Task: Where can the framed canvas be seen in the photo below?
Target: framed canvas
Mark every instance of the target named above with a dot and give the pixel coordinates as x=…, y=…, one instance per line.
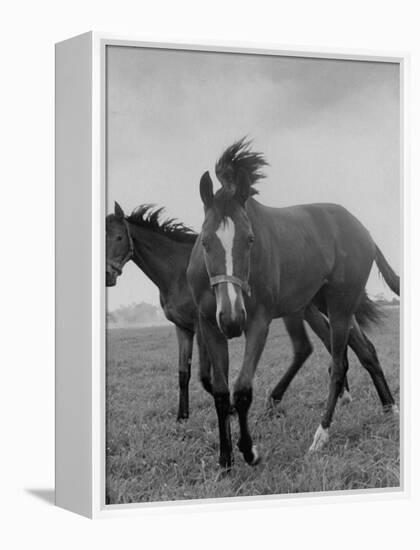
x=163, y=316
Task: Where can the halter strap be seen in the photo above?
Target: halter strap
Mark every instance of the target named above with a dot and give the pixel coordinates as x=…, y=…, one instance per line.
x=119, y=265
x=217, y=279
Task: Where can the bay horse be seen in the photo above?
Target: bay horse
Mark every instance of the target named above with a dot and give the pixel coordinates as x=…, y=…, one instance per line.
x=253, y=263
x=161, y=250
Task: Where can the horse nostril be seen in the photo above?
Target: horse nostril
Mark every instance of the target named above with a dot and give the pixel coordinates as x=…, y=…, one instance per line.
x=224, y=323
x=238, y=321
x=232, y=328
x=221, y=325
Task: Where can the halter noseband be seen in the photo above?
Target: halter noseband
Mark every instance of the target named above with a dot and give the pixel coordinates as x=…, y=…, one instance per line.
x=244, y=285
x=117, y=266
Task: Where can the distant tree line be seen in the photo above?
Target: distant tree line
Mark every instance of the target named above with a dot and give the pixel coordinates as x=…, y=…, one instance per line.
x=148, y=314
x=136, y=314
x=381, y=300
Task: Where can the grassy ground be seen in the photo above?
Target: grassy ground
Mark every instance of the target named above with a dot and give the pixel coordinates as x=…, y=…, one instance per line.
x=150, y=457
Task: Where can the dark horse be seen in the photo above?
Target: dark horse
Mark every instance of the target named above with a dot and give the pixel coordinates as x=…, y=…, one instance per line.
x=162, y=249
x=253, y=263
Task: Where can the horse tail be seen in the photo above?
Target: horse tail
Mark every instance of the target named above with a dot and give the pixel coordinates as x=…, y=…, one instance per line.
x=391, y=278
x=368, y=312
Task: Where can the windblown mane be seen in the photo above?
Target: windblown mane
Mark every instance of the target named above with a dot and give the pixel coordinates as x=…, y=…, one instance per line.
x=149, y=216
x=240, y=158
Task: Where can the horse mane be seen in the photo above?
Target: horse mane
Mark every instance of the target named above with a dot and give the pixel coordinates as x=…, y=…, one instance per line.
x=236, y=159
x=149, y=216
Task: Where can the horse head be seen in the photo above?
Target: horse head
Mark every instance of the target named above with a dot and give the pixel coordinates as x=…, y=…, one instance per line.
x=227, y=238
x=119, y=244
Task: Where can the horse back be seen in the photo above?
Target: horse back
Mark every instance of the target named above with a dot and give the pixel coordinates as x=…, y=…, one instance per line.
x=301, y=248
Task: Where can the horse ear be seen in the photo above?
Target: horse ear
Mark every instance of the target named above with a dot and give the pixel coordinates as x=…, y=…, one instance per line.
x=206, y=190
x=118, y=211
x=243, y=187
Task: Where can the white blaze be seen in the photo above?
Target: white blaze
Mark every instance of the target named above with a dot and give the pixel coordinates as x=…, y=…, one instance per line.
x=226, y=235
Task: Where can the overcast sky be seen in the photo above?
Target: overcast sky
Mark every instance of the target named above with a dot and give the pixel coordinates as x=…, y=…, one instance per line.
x=329, y=129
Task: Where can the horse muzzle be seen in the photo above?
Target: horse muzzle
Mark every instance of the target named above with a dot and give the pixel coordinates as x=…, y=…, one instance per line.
x=110, y=277
x=230, y=312
x=232, y=328
x=113, y=271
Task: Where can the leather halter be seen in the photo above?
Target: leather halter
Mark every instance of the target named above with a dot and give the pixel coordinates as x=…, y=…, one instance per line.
x=244, y=285
x=118, y=266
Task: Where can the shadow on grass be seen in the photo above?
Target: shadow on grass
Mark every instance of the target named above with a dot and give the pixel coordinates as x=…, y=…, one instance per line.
x=47, y=495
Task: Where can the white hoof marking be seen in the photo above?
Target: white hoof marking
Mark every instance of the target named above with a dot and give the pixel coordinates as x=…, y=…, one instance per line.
x=395, y=410
x=346, y=398
x=320, y=439
x=255, y=454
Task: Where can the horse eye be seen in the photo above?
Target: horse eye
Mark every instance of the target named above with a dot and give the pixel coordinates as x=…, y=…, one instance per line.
x=119, y=238
x=251, y=239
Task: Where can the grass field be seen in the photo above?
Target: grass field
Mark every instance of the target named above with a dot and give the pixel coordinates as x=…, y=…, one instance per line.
x=151, y=457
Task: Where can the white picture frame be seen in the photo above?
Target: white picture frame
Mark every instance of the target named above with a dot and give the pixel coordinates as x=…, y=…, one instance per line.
x=80, y=274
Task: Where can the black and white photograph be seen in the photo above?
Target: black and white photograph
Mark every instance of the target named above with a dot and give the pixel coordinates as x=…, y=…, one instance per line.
x=253, y=262
x=209, y=284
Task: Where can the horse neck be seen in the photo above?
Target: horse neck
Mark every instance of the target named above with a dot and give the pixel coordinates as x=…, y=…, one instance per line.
x=264, y=227
x=161, y=258
x=253, y=209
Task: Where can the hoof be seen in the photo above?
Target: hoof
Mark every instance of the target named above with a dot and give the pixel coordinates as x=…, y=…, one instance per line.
x=182, y=417
x=257, y=456
x=274, y=407
x=275, y=401
x=320, y=439
x=252, y=457
x=392, y=409
x=223, y=473
x=225, y=463
x=395, y=410
x=346, y=398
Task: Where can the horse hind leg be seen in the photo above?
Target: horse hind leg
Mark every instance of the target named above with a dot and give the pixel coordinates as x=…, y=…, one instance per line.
x=340, y=322
x=320, y=325
x=366, y=353
x=185, y=345
x=345, y=395
x=302, y=349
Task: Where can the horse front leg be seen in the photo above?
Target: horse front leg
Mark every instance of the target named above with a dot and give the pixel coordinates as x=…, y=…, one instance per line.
x=217, y=348
x=185, y=346
x=204, y=362
x=256, y=335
